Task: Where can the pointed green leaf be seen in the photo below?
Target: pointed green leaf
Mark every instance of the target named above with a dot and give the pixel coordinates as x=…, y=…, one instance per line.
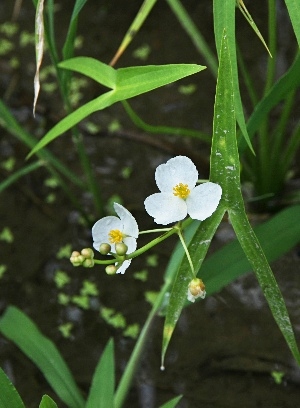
x=94, y=69
x=68, y=47
x=101, y=394
x=224, y=18
x=225, y=151
x=277, y=236
x=142, y=14
x=172, y=403
x=9, y=397
x=265, y=277
x=19, y=328
x=293, y=7
x=134, y=81
x=197, y=248
x=71, y=120
x=250, y=20
x=280, y=90
x=47, y=402
x=130, y=82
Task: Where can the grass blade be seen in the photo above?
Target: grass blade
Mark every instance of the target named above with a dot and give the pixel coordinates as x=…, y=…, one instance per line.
x=224, y=18
x=12, y=178
x=9, y=396
x=277, y=236
x=142, y=14
x=293, y=7
x=130, y=82
x=47, y=402
x=101, y=393
x=15, y=325
x=194, y=34
x=172, y=403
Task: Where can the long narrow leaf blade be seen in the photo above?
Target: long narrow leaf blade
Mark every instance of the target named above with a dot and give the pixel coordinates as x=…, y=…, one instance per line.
x=133, y=81
x=130, y=82
x=47, y=402
x=277, y=236
x=141, y=16
x=172, y=403
x=224, y=18
x=293, y=7
x=197, y=248
x=9, y=397
x=19, y=328
x=225, y=144
x=94, y=69
x=103, y=385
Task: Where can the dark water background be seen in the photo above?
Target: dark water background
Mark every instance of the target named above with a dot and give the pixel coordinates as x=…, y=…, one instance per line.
x=224, y=348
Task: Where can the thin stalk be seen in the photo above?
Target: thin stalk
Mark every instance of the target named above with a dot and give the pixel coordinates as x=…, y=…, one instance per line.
x=291, y=149
x=265, y=172
x=11, y=125
x=194, y=34
x=187, y=253
x=279, y=136
x=132, y=365
x=163, y=129
x=247, y=79
x=20, y=173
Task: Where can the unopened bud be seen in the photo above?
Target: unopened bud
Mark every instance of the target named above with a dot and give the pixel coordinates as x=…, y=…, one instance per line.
x=104, y=249
x=111, y=270
x=76, y=258
x=88, y=263
x=87, y=253
x=196, y=289
x=121, y=248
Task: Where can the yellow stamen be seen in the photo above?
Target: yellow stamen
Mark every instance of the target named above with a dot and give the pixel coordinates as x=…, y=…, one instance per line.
x=115, y=236
x=181, y=190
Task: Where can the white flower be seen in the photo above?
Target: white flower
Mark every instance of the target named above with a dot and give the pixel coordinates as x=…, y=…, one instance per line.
x=114, y=230
x=179, y=194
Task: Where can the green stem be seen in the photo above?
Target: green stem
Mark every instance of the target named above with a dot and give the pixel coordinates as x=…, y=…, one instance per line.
x=152, y=243
x=132, y=364
x=195, y=35
x=187, y=253
x=264, y=173
x=163, y=129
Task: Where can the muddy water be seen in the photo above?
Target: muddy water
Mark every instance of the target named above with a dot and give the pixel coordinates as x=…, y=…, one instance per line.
x=225, y=348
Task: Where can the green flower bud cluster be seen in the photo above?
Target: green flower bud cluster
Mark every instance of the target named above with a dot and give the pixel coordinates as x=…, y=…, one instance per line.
x=84, y=258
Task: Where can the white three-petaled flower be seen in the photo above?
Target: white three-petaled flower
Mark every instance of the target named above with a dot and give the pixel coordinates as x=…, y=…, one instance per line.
x=179, y=194
x=113, y=230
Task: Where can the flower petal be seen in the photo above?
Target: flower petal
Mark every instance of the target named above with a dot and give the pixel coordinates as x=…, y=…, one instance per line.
x=131, y=243
x=203, y=200
x=180, y=169
x=130, y=226
x=102, y=228
x=165, y=208
x=124, y=266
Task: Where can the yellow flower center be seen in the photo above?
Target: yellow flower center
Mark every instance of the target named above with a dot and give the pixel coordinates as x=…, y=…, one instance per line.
x=181, y=190
x=115, y=236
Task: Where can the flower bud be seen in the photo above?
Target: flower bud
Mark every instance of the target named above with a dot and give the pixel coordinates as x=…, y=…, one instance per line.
x=111, y=270
x=196, y=289
x=104, y=249
x=87, y=253
x=121, y=248
x=76, y=259
x=88, y=263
